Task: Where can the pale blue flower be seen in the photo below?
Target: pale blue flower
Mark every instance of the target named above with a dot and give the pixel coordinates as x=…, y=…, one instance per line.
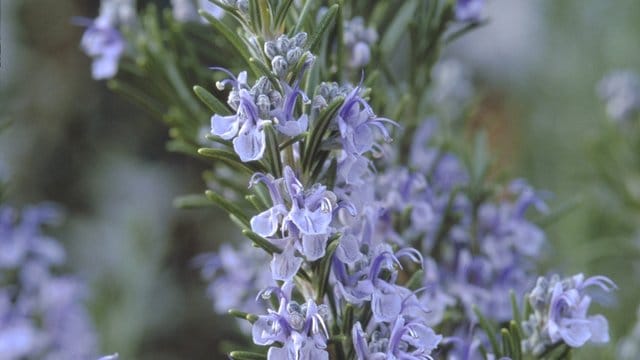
x=245, y=127
x=358, y=125
x=301, y=329
x=404, y=340
x=620, y=90
x=235, y=275
x=286, y=122
x=560, y=313
x=304, y=221
x=358, y=40
x=102, y=42
x=41, y=313
x=469, y=10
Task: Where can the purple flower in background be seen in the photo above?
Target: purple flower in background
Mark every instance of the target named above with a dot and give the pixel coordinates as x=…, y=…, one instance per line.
x=301, y=329
x=235, y=276
x=41, y=314
x=402, y=340
x=560, y=313
x=469, y=10
x=620, y=90
x=358, y=40
x=187, y=10
x=105, y=45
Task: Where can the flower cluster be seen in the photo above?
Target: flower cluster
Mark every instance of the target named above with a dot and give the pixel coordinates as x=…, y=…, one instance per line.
x=41, y=313
x=370, y=252
x=560, y=309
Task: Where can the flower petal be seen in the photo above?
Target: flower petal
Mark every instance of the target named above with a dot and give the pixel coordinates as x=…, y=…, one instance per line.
x=224, y=126
x=313, y=246
x=284, y=266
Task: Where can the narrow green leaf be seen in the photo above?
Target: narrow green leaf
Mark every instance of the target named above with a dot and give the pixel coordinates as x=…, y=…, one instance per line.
x=347, y=320
x=506, y=343
x=326, y=22
x=223, y=6
x=304, y=14
x=261, y=242
x=228, y=206
x=238, y=222
x=281, y=13
x=212, y=102
x=325, y=267
x=488, y=329
x=394, y=32
x=292, y=141
x=266, y=16
x=272, y=150
x=254, y=14
x=266, y=71
x=332, y=173
x=243, y=315
x=193, y=201
x=253, y=199
x=245, y=355
x=466, y=29
x=318, y=131
x=483, y=352
x=515, y=309
x=232, y=160
x=415, y=281
x=516, y=336
x=179, y=146
x=231, y=37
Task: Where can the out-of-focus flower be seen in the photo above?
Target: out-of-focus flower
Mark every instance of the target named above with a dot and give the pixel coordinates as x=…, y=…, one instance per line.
x=187, y=10
x=469, y=10
x=451, y=90
x=105, y=45
x=41, y=313
x=235, y=277
x=102, y=41
x=358, y=40
x=620, y=90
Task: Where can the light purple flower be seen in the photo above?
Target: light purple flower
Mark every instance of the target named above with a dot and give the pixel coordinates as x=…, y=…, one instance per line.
x=245, y=127
x=102, y=42
x=469, y=10
x=301, y=329
x=404, y=340
x=41, y=313
x=304, y=221
x=358, y=125
x=286, y=123
x=235, y=275
x=620, y=90
x=560, y=313
x=358, y=40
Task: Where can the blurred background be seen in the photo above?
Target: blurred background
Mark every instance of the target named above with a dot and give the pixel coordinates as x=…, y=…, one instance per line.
x=535, y=68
